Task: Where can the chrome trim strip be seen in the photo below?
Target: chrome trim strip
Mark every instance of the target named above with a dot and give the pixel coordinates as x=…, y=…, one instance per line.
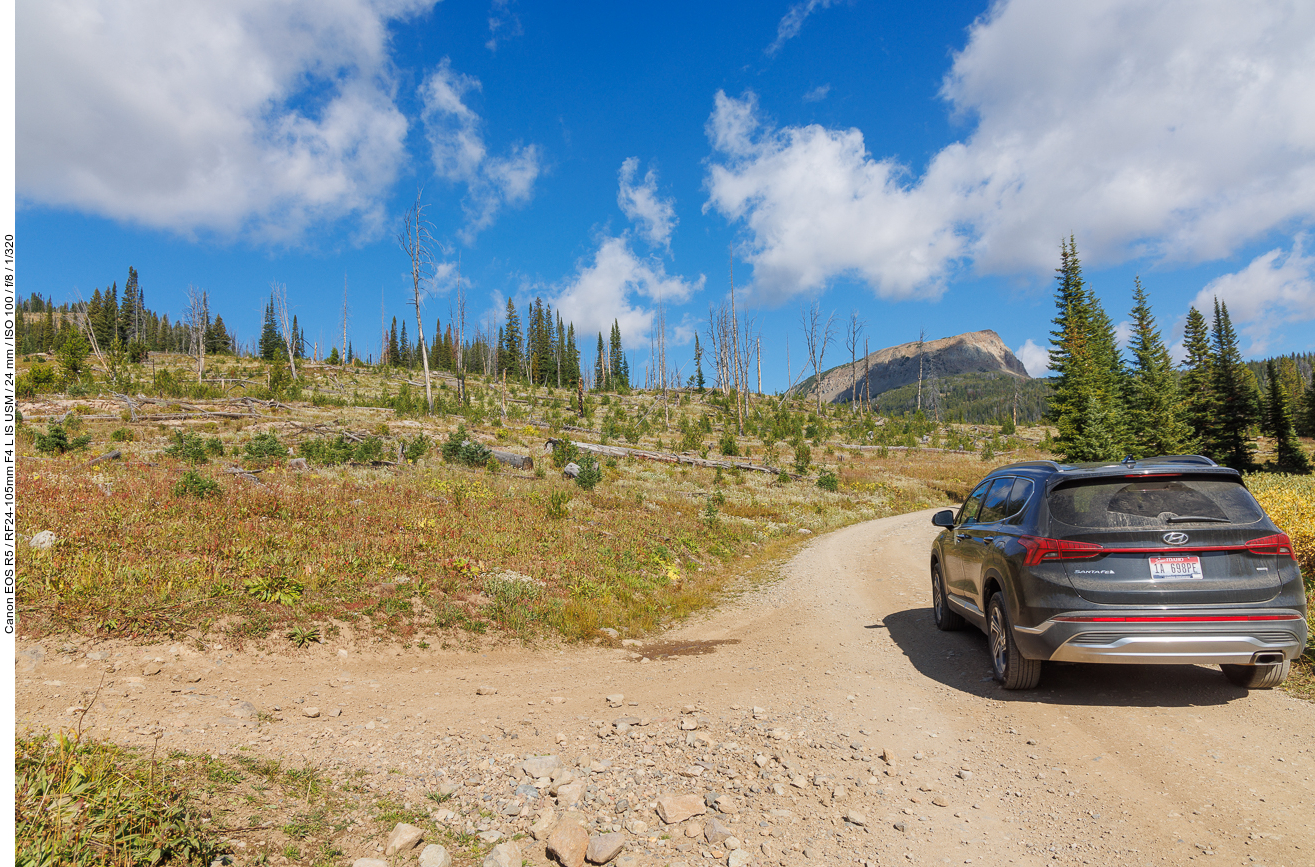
x=1173, y=649
x=965, y=604
x=1035, y=630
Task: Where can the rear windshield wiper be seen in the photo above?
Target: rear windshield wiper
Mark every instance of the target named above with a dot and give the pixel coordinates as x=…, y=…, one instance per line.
x=1192, y=519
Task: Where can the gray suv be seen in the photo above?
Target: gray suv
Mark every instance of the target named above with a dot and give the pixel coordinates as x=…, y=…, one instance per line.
x=1165, y=560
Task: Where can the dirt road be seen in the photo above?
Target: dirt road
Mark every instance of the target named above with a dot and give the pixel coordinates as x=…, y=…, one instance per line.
x=783, y=701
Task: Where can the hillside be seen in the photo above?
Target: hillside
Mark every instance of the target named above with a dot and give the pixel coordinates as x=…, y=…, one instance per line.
x=896, y=366
x=971, y=398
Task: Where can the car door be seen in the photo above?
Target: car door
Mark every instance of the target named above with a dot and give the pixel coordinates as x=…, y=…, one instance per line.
x=980, y=546
x=958, y=547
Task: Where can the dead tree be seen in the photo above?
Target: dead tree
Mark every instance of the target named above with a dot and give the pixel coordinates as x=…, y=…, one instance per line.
x=851, y=341
x=197, y=318
x=417, y=241
x=342, y=359
x=817, y=337
x=279, y=295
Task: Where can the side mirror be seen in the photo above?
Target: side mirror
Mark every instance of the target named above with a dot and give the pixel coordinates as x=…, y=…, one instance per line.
x=943, y=518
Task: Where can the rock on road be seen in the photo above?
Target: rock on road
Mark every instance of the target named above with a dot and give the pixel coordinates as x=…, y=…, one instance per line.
x=820, y=718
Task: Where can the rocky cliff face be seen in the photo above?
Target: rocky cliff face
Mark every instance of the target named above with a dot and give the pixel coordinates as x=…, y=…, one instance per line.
x=974, y=352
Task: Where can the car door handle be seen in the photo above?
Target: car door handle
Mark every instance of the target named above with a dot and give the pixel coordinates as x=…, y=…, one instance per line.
x=986, y=540
x=960, y=536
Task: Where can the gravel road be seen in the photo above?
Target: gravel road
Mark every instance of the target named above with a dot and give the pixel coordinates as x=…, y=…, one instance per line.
x=820, y=718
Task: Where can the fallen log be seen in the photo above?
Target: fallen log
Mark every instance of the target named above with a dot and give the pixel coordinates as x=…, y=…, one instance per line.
x=667, y=458
x=112, y=455
x=511, y=459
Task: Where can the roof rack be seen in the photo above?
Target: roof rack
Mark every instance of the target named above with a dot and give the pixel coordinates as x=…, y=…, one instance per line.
x=1050, y=465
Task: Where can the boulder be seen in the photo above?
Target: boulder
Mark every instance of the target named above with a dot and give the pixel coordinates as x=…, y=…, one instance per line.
x=567, y=844
x=435, y=855
x=604, y=847
x=677, y=808
x=504, y=855
x=403, y=838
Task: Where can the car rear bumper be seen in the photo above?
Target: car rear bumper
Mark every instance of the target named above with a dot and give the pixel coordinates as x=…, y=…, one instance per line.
x=1139, y=639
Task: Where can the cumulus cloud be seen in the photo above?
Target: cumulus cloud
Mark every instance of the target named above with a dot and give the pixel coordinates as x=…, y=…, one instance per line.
x=1175, y=131
x=1035, y=358
x=456, y=140
x=1276, y=289
x=615, y=285
x=817, y=205
x=654, y=216
x=793, y=21
x=238, y=117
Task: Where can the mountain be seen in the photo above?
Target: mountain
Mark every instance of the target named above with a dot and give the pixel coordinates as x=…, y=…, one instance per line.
x=897, y=366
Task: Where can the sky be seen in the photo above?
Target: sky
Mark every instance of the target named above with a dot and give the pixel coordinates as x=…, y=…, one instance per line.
x=916, y=165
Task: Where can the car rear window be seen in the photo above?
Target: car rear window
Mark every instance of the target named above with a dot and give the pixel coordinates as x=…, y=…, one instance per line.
x=1133, y=502
x=1022, y=492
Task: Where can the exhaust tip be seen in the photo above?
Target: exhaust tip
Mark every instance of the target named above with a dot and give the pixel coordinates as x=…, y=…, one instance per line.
x=1267, y=659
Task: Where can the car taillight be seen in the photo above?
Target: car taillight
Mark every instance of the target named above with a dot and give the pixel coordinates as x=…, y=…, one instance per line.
x=1278, y=544
x=1042, y=550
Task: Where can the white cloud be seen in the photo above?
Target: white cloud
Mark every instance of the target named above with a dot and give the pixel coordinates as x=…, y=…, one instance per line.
x=818, y=206
x=1176, y=131
x=654, y=215
x=459, y=153
x=616, y=285
x=1123, y=334
x=817, y=94
x=793, y=21
x=236, y=117
x=503, y=23
x=1275, y=290
x=1035, y=358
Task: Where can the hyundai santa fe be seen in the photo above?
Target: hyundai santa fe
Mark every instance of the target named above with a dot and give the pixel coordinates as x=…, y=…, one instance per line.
x=1166, y=560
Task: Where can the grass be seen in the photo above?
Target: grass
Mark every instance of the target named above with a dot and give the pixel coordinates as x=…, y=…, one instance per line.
x=1290, y=502
x=406, y=550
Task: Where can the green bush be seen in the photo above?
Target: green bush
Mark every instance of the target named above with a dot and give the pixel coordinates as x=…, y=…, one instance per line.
x=827, y=481
x=55, y=441
x=803, y=456
x=727, y=445
x=460, y=449
x=263, y=447
x=341, y=450
x=122, y=435
x=417, y=448
x=193, y=484
x=590, y=473
x=38, y=379
x=563, y=453
x=557, y=502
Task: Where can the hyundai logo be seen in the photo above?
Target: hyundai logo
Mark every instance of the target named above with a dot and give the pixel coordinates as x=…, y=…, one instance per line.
x=1175, y=538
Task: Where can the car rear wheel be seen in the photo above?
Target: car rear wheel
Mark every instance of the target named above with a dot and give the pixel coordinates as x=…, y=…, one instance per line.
x=1257, y=676
x=1011, y=668
x=946, y=620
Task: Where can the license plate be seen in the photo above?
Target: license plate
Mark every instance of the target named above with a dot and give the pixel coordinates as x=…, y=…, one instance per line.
x=1184, y=568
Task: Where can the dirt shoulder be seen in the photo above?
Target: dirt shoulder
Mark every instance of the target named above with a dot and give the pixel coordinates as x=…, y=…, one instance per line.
x=777, y=708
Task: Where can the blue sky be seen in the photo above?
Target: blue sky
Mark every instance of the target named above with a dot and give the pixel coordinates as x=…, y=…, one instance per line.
x=917, y=166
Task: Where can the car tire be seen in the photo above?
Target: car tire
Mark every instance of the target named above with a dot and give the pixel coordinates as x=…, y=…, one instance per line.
x=1010, y=667
x=946, y=619
x=1257, y=676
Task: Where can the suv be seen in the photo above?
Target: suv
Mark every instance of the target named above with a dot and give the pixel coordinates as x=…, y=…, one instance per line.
x=1166, y=560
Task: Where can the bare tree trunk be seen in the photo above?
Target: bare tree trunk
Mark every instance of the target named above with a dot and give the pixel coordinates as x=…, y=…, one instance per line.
x=460, y=316
x=817, y=337
x=197, y=314
x=416, y=240
x=343, y=358
x=851, y=341
x=280, y=293
x=922, y=336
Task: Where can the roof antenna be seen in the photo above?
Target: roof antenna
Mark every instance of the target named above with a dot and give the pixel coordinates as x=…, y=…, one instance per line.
x=1130, y=461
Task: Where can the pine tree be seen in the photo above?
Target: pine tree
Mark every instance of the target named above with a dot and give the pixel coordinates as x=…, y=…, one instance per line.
x=1306, y=419
x=600, y=366
x=106, y=325
x=404, y=348
x=271, y=342
x=130, y=309
x=1155, y=418
x=394, y=350
x=699, y=379
x=619, y=368
x=509, y=352
x=1291, y=456
x=572, y=358
x=1236, y=410
x=1198, y=384
x=1088, y=402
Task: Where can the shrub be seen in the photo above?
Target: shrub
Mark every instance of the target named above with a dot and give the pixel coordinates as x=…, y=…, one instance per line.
x=340, y=450
x=563, y=453
x=264, y=446
x=590, y=473
x=55, y=441
x=38, y=379
x=122, y=435
x=460, y=449
x=417, y=448
x=191, y=448
x=557, y=502
x=193, y=484
x=727, y=445
x=827, y=481
x=803, y=456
